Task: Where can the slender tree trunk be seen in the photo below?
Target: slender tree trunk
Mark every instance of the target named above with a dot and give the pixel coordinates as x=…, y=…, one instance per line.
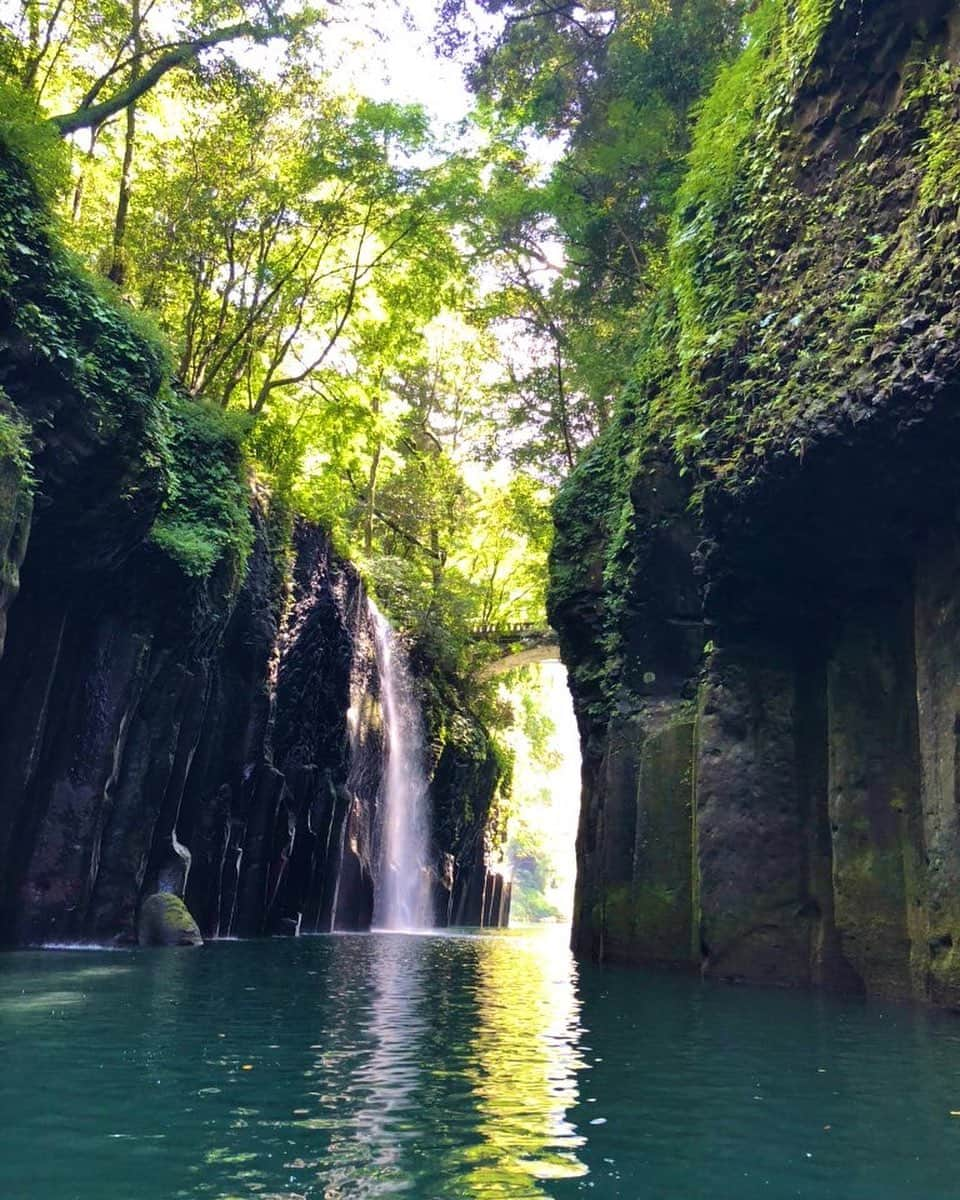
x=77, y=206
x=33, y=41
x=436, y=562
x=562, y=412
x=372, y=483
x=118, y=266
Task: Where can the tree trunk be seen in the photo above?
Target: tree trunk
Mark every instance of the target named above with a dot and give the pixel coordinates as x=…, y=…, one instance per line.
x=118, y=266
x=77, y=206
x=372, y=482
x=437, y=559
x=562, y=412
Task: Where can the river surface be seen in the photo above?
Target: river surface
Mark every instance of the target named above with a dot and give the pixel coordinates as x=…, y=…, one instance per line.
x=445, y=1066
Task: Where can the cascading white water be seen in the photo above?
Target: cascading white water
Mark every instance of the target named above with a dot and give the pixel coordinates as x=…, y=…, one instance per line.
x=404, y=891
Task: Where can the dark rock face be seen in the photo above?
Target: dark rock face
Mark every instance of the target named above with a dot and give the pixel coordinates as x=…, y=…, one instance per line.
x=216, y=743
x=194, y=744
x=219, y=744
x=789, y=813
x=766, y=670
x=465, y=780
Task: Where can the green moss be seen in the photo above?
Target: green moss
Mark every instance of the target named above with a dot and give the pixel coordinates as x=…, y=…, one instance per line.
x=75, y=327
x=166, y=921
x=75, y=368
x=205, y=517
x=785, y=273
x=618, y=916
x=645, y=923
x=739, y=205
x=810, y=271
x=14, y=449
x=16, y=506
x=27, y=134
x=104, y=370
x=661, y=922
x=590, y=514
x=935, y=93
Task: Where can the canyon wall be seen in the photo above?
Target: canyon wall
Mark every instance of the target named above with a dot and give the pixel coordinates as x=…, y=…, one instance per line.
x=756, y=572
x=467, y=775
x=188, y=740
x=188, y=683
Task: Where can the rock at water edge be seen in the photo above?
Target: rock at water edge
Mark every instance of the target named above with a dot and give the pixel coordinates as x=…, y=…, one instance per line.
x=166, y=921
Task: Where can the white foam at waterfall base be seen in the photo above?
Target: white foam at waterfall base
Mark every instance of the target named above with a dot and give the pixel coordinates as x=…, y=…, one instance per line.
x=403, y=899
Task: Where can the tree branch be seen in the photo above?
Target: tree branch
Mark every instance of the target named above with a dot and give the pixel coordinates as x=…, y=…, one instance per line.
x=91, y=115
x=391, y=524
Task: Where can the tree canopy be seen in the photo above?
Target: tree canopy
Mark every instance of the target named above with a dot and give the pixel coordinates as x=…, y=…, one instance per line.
x=419, y=336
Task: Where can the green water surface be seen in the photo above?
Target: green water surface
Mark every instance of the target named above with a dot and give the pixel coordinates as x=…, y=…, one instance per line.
x=456, y=1066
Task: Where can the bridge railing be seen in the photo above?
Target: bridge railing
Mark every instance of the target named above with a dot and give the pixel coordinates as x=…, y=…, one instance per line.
x=511, y=629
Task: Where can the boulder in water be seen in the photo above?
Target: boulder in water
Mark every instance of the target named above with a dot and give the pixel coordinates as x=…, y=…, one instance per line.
x=166, y=921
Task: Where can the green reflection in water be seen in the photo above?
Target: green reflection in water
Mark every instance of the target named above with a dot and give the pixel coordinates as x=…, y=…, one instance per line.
x=445, y=1067
x=436, y=1066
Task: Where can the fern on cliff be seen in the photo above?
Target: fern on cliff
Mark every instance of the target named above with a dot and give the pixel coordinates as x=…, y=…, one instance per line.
x=807, y=282
x=205, y=518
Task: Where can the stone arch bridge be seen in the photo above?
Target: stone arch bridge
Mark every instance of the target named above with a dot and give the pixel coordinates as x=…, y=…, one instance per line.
x=522, y=643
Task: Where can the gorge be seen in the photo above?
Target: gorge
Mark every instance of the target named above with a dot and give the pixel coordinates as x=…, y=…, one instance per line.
x=314, y=429
x=752, y=583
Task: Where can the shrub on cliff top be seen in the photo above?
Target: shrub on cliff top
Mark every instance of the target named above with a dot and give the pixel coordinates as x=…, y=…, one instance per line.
x=205, y=516
x=102, y=370
x=27, y=133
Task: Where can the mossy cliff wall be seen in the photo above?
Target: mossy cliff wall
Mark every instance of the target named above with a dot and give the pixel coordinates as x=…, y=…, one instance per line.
x=188, y=690
x=468, y=777
x=757, y=566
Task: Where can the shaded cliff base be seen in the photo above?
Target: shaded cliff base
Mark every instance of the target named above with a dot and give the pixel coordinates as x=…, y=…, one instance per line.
x=798, y=821
x=221, y=745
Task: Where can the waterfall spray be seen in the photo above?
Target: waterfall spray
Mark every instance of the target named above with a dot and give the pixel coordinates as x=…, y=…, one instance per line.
x=404, y=891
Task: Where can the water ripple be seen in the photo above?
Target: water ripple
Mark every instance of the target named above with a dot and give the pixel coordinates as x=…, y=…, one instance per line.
x=449, y=1067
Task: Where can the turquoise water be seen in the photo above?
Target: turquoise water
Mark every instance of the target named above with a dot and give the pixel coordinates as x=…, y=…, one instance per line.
x=445, y=1066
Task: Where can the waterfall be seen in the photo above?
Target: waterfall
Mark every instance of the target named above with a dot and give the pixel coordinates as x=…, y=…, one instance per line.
x=404, y=892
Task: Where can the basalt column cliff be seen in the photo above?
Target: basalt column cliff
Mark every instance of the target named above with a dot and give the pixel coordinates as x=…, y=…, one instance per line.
x=757, y=573
x=189, y=700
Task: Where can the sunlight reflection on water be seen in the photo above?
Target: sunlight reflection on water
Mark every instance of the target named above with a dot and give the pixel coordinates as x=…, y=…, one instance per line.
x=456, y=1067
x=436, y=1064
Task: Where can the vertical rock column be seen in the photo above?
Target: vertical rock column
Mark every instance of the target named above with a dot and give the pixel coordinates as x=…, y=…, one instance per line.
x=662, y=869
x=875, y=797
x=757, y=915
x=937, y=631
x=587, y=937
x=637, y=892
x=608, y=912
x=60, y=796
